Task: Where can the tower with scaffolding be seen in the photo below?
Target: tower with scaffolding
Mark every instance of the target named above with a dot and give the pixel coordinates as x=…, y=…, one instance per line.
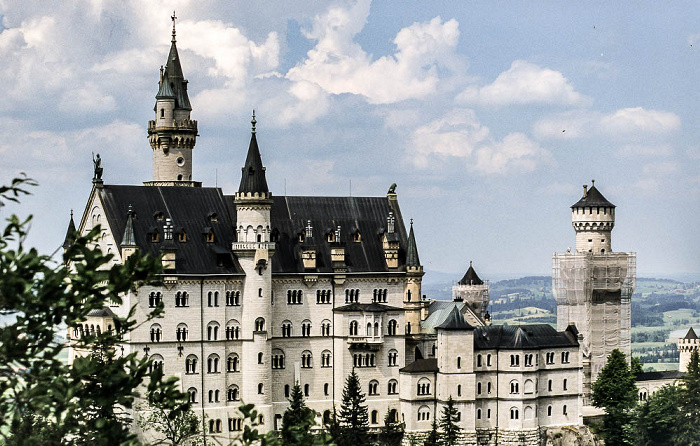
x=474, y=292
x=593, y=285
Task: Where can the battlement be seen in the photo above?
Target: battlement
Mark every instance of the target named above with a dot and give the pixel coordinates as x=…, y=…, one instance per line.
x=175, y=124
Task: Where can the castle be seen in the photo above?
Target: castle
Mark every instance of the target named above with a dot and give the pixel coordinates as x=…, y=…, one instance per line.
x=263, y=291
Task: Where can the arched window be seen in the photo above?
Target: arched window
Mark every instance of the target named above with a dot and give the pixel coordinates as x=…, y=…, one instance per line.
x=181, y=334
x=353, y=328
x=514, y=387
x=182, y=299
x=326, y=359
x=373, y=387
x=459, y=362
x=325, y=327
x=478, y=414
x=488, y=360
x=233, y=298
x=191, y=364
x=154, y=299
x=260, y=389
x=260, y=358
x=478, y=360
x=192, y=395
x=369, y=329
x=307, y=390
x=325, y=389
x=423, y=386
x=326, y=417
x=306, y=360
x=286, y=329
x=391, y=328
x=424, y=413
x=478, y=388
x=259, y=324
x=156, y=332
x=232, y=363
x=233, y=330
x=514, y=413
x=232, y=394
x=529, y=386
x=306, y=328
x=286, y=390
x=393, y=357
x=375, y=417
x=213, y=363
x=549, y=411
x=277, y=359
x=392, y=387
x=156, y=362
x=549, y=385
x=212, y=331
x=488, y=387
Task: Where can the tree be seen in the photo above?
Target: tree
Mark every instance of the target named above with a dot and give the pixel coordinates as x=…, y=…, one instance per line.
x=687, y=432
x=297, y=420
x=88, y=402
x=433, y=437
x=636, y=366
x=353, y=419
x=656, y=418
x=392, y=431
x=448, y=424
x=615, y=391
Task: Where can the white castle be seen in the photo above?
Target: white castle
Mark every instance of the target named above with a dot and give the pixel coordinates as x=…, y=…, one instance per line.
x=264, y=291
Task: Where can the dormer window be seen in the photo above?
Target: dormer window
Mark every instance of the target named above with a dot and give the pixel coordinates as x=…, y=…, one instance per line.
x=155, y=236
x=301, y=237
x=210, y=236
x=213, y=217
x=182, y=236
x=356, y=237
x=330, y=237
x=159, y=216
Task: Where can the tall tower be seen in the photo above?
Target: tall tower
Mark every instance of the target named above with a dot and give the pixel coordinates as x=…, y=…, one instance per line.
x=254, y=251
x=172, y=133
x=413, y=304
x=474, y=291
x=593, y=285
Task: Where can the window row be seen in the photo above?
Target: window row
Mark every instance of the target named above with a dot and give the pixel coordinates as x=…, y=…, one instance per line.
x=295, y=297
x=364, y=360
x=373, y=387
x=288, y=332
x=373, y=329
x=233, y=331
x=88, y=330
x=379, y=295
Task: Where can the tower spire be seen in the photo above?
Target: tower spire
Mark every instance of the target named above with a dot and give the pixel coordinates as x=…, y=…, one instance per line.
x=253, y=122
x=412, y=249
x=253, y=172
x=173, y=18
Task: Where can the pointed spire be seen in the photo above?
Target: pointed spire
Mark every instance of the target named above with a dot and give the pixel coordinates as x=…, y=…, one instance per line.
x=129, y=239
x=70, y=233
x=253, y=122
x=471, y=277
x=173, y=18
x=412, y=250
x=173, y=78
x=253, y=173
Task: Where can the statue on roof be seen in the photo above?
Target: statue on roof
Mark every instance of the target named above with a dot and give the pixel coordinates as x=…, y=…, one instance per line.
x=392, y=189
x=97, y=161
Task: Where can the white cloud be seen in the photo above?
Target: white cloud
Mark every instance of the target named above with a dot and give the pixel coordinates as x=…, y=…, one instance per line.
x=526, y=83
x=635, y=150
x=339, y=65
x=86, y=99
x=626, y=123
x=460, y=135
x=304, y=103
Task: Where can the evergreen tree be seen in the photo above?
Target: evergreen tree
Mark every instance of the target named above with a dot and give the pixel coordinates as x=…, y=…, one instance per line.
x=636, y=366
x=656, y=418
x=687, y=431
x=615, y=391
x=334, y=429
x=297, y=420
x=448, y=424
x=354, y=418
x=392, y=432
x=433, y=437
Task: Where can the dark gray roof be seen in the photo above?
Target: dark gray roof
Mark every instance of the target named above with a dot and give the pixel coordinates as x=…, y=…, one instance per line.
x=253, y=173
x=176, y=84
x=367, y=308
x=654, y=376
x=522, y=337
x=470, y=277
x=412, y=250
x=691, y=334
x=70, y=233
x=101, y=312
x=128, y=238
x=421, y=366
x=593, y=198
x=455, y=321
x=190, y=208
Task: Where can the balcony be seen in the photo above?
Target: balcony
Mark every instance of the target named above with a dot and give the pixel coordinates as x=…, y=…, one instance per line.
x=372, y=343
x=240, y=246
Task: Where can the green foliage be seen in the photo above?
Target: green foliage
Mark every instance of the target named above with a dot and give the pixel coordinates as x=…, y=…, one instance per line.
x=433, y=437
x=353, y=420
x=251, y=436
x=636, y=366
x=87, y=403
x=392, y=431
x=615, y=391
x=298, y=420
x=656, y=418
x=448, y=424
x=687, y=431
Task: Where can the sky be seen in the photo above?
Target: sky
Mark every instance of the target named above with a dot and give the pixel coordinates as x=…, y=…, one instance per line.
x=489, y=116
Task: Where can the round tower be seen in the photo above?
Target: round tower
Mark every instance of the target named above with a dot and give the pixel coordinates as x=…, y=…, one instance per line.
x=593, y=218
x=172, y=134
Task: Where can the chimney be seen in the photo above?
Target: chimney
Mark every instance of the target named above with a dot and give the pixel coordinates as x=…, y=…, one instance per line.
x=585, y=190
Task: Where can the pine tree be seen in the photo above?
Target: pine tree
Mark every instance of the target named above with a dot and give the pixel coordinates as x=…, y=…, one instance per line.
x=392, y=432
x=297, y=420
x=687, y=432
x=448, y=424
x=656, y=418
x=354, y=418
x=615, y=391
x=433, y=437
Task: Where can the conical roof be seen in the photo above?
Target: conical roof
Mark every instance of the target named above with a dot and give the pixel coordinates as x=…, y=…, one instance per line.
x=253, y=173
x=691, y=334
x=165, y=91
x=70, y=233
x=174, y=80
x=455, y=321
x=593, y=198
x=412, y=250
x=470, y=277
x=129, y=239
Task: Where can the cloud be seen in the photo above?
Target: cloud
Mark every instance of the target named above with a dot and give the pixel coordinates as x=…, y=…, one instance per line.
x=460, y=135
x=627, y=123
x=635, y=150
x=525, y=83
x=87, y=99
x=339, y=65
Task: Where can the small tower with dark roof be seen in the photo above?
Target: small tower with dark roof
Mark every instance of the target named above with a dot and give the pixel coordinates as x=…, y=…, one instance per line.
x=593, y=218
x=687, y=345
x=172, y=133
x=473, y=291
x=416, y=309
x=70, y=234
x=128, y=244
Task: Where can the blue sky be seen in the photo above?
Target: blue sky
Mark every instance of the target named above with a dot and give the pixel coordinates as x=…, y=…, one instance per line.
x=490, y=116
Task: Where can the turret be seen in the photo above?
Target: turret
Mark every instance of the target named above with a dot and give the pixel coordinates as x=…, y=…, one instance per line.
x=128, y=244
x=473, y=291
x=172, y=134
x=70, y=234
x=593, y=218
x=413, y=304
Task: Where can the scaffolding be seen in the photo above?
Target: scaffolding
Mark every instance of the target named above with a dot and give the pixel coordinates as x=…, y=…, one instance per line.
x=476, y=296
x=593, y=291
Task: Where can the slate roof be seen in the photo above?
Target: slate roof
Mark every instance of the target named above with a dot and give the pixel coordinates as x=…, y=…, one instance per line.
x=367, y=308
x=412, y=254
x=190, y=208
x=438, y=311
x=522, y=337
x=691, y=334
x=470, y=277
x=421, y=366
x=176, y=85
x=70, y=233
x=593, y=198
x=253, y=172
x=655, y=376
x=101, y=312
x=455, y=321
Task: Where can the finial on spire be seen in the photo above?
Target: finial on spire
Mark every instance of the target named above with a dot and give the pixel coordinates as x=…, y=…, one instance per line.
x=173, y=18
x=470, y=263
x=411, y=222
x=71, y=214
x=253, y=121
x=592, y=183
